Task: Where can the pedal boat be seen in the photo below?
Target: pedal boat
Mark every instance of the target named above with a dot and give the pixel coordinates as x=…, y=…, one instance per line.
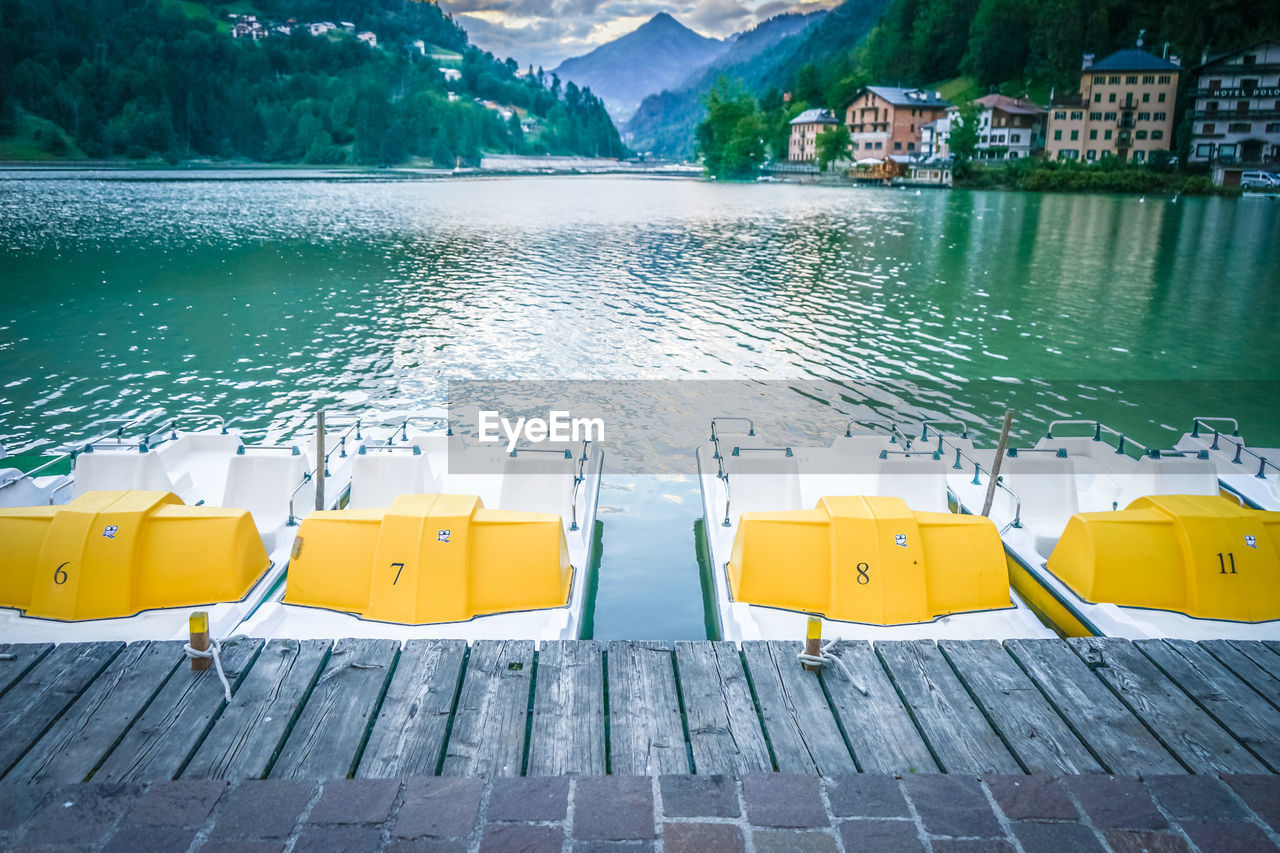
x=1104, y=543
x=144, y=530
x=858, y=533
x=429, y=548
x=1251, y=474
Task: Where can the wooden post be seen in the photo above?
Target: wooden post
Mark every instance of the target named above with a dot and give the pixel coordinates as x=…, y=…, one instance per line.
x=199, y=624
x=320, y=459
x=813, y=642
x=995, y=463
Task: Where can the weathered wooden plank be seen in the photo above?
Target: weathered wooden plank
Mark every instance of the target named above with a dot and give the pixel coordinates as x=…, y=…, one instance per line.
x=724, y=730
x=489, y=724
x=879, y=729
x=325, y=741
x=247, y=735
x=16, y=659
x=1187, y=731
x=1031, y=727
x=960, y=736
x=1116, y=736
x=797, y=717
x=408, y=735
x=74, y=745
x=159, y=742
x=52, y=684
x=1249, y=717
x=1252, y=662
x=646, y=735
x=567, y=736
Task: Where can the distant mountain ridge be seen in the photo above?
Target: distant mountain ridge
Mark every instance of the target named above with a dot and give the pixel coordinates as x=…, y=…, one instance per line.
x=656, y=56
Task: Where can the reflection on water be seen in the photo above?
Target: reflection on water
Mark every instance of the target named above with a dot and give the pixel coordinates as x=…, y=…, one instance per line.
x=263, y=299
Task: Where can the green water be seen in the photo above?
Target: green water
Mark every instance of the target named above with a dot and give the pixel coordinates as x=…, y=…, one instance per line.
x=264, y=299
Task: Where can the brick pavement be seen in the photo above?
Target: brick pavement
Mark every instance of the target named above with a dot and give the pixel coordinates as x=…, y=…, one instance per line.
x=676, y=814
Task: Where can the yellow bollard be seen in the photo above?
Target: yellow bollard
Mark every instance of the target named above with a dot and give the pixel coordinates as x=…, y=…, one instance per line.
x=199, y=625
x=813, y=642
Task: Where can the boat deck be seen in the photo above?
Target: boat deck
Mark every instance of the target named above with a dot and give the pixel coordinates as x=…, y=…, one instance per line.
x=316, y=710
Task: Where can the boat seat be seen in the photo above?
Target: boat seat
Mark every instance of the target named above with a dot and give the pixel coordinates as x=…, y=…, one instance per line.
x=538, y=482
x=762, y=481
x=197, y=463
x=919, y=480
x=1168, y=475
x=377, y=478
x=119, y=470
x=1046, y=484
x=261, y=480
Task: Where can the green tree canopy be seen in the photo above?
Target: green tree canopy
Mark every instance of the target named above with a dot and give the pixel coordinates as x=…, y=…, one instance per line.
x=832, y=144
x=730, y=139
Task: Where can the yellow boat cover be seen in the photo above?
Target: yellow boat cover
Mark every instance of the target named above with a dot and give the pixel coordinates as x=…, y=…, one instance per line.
x=870, y=560
x=111, y=554
x=430, y=558
x=1200, y=555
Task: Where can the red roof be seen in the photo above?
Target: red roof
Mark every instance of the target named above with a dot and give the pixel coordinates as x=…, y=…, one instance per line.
x=1013, y=106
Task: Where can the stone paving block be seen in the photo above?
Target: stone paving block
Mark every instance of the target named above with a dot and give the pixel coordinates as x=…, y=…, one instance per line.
x=703, y=838
x=613, y=847
x=19, y=802
x=1115, y=802
x=347, y=801
x=793, y=841
x=1128, y=841
x=1230, y=837
x=185, y=803
x=267, y=808
x=1032, y=798
x=529, y=798
x=699, y=796
x=866, y=795
x=952, y=805
x=1260, y=793
x=150, y=839
x=242, y=847
x=332, y=838
x=423, y=845
x=971, y=845
x=882, y=836
x=1201, y=797
x=81, y=814
x=439, y=807
x=613, y=808
x=1056, y=838
x=502, y=838
x=784, y=800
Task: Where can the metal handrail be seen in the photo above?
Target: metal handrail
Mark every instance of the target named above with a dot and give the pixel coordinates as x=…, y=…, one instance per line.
x=563, y=451
x=977, y=469
x=924, y=427
x=578, y=480
x=403, y=427
x=1206, y=421
x=1099, y=429
x=751, y=425
x=908, y=453
x=306, y=478
x=781, y=449
x=894, y=432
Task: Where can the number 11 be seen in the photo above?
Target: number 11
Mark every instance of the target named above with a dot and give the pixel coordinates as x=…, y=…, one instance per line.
x=1222, y=565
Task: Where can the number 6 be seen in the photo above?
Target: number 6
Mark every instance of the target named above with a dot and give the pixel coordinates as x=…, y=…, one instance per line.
x=60, y=576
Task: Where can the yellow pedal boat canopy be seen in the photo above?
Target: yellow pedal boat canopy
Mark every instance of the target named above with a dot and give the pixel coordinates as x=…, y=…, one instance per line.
x=112, y=554
x=869, y=560
x=430, y=558
x=1201, y=555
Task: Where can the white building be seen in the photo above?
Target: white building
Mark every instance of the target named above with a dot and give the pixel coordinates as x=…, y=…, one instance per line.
x=802, y=147
x=934, y=137
x=1008, y=128
x=319, y=28
x=1236, y=111
x=368, y=38
x=450, y=74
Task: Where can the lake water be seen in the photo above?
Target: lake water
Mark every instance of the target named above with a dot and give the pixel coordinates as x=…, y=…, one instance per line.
x=263, y=297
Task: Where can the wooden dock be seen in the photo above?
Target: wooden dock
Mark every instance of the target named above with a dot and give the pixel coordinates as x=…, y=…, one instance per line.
x=373, y=709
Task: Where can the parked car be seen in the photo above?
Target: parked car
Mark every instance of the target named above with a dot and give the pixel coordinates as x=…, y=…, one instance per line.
x=1259, y=181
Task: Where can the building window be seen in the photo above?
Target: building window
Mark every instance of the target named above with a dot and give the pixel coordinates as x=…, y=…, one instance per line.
x=1015, y=138
x=1112, y=97
x=1157, y=134
x=1092, y=155
x=1215, y=85
x=1110, y=116
x=1057, y=136
x=1075, y=134
x=1144, y=116
x=1097, y=97
x=879, y=145
x=1106, y=134
x=1249, y=59
x=983, y=139
x=1164, y=79
x=1274, y=127
x=1146, y=97
x=1060, y=115
x=1076, y=116
x=1099, y=79
x=1139, y=156
x=1148, y=79
x=1140, y=134
x=911, y=146
x=1239, y=127
x=1115, y=79
x=1204, y=150
x=1093, y=134
x=1209, y=128
x=1159, y=116
x=1131, y=80
x=1227, y=151
x=1160, y=97
x=869, y=145
x=1095, y=116
x=897, y=146
x=1249, y=84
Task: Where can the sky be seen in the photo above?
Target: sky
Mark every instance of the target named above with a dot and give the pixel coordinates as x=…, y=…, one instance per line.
x=545, y=32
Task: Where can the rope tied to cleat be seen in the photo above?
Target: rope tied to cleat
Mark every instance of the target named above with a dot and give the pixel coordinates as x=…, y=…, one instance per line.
x=824, y=656
x=213, y=652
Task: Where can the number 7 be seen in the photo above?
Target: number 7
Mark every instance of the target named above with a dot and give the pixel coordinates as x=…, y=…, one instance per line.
x=399, y=567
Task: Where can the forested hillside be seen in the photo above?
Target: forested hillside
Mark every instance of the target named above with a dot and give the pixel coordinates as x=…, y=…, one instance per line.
x=145, y=78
